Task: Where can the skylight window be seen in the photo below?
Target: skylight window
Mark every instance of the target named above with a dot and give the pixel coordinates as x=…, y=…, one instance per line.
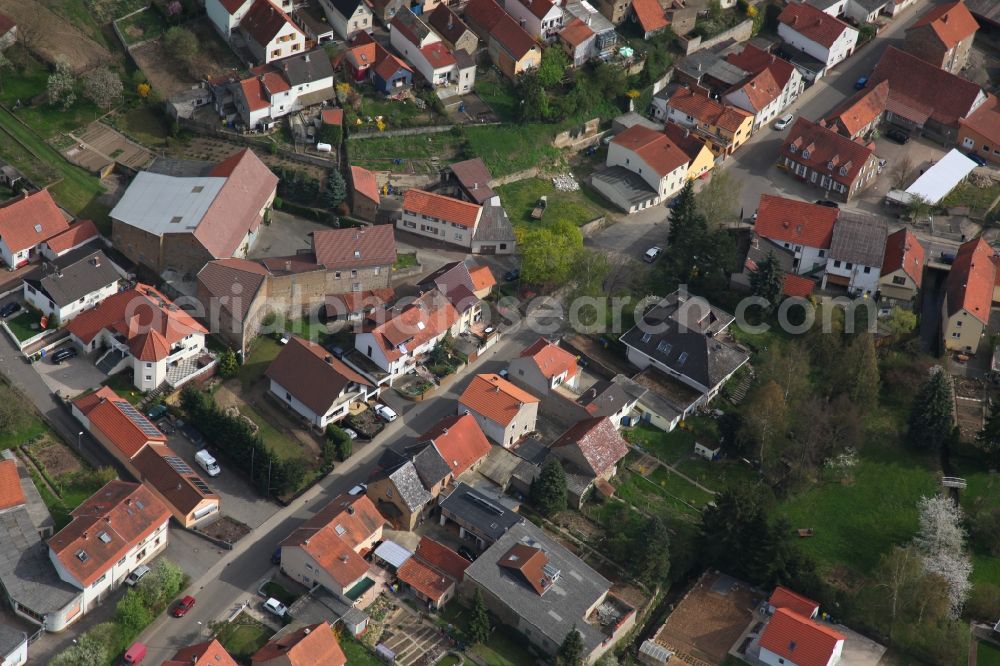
x=82, y=555
x=104, y=537
x=176, y=219
x=664, y=347
x=646, y=337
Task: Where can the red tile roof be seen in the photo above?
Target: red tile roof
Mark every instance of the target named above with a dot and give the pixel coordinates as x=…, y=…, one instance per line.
x=598, y=441
x=107, y=525
x=970, y=283
x=332, y=116
x=782, y=597
x=819, y=148
x=512, y=37
x=684, y=139
x=985, y=121
x=337, y=305
x=755, y=60
x=442, y=558
x=264, y=21
x=78, y=234
x=799, y=640
x=495, y=398
x=653, y=147
x=551, y=359
x=11, y=493
x=315, y=645
x=796, y=222
x=30, y=221
x=459, y=441
x=484, y=13
x=813, y=23
x=257, y=89
x=132, y=313
x=314, y=376
x=951, y=22
x=389, y=65
x=482, y=278
x=444, y=208
x=797, y=285
x=108, y=414
x=708, y=111
x=760, y=90
x=530, y=563
x=355, y=247
x=540, y=8
x=438, y=55
x=6, y=23
x=424, y=579
x=447, y=24
x=362, y=56
x=234, y=282
x=365, y=184
x=576, y=33
x=232, y=5
x=650, y=15
x=860, y=110
x=425, y=318
x=918, y=89
x=904, y=252
x=209, y=653
x=235, y=211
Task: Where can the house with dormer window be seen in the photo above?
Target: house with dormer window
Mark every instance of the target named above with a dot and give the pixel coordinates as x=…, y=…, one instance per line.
x=804, y=229
x=818, y=155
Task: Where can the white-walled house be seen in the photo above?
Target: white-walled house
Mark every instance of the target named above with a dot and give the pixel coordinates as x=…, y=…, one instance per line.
x=226, y=15
x=120, y=527
x=504, y=412
x=348, y=17
x=824, y=37
x=315, y=384
x=542, y=19
x=439, y=217
x=544, y=365
x=857, y=251
x=651, y=156
x=760, y=95
x=791, y=639
x=755, y=60
x=26, y=224
x=805, y=229
x=67, y=291
x=275, y=90
x=422, y=47
x=13, y=646
x=270, y=33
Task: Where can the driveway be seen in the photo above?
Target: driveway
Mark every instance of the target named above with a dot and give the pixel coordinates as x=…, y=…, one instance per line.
x=71, y=377
x=285, y=235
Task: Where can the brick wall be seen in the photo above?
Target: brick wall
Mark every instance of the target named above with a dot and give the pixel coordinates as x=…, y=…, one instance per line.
x=136, y=244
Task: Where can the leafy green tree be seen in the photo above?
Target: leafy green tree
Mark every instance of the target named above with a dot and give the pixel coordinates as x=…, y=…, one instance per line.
x=229, y=366
x=549, y=254
x=918, y=207
x=548, y=490
x=95, y=647
x=767, y=281
x=901, y=321
x=331, y=134
x=653, y=552
x=857, y=374
x=571, y=650
x=988, y=439
x=479, y=621
x=718, y=199
x=161, y=584
x=341, y=443
x=932, y=414
x=61, y=85
x=534, y=98
x=336, y=189
x=683, y=213
x=103, y=87
x=132, y=612
x=553, y=67
x=182, y=43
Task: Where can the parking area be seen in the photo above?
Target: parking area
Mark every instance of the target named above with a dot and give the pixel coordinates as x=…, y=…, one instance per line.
x=71, y=377
x=284, y=236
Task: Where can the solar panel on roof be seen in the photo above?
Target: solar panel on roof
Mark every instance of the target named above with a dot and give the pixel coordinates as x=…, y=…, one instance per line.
x=178, y=465
x=201, y=486
x=138, y=419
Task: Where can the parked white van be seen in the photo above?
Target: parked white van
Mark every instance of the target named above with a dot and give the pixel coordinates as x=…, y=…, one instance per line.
x=207, y=462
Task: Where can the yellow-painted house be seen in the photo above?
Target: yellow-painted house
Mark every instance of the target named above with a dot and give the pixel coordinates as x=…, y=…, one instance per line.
x=723, y=127
x=968, y=297
x=702, y=160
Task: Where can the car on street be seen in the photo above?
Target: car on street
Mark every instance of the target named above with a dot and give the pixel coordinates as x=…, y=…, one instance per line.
x=183, y=606
x=861, y=82
x=899, y=136
x=63, y=354
x=133, y=655
x=512, y=276
x=467, y=553
x=9, y=309
x=652, y=254
x=207, y=462
x=156, y=411
x=827, y=203
x=976, y=158
x=358, y=489
x=134, y=577
x=385, y=412
x=784, y=121
x=276, y=556
x=274, y=606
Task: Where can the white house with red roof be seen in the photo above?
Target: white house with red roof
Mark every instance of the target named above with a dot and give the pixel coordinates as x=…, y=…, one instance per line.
x=902, y=266
x=142, y=329
x=782, y=597
x=433, y=573
x=269, y=33
x=824, y=37
x=120, y=527
x=442, y=218
x=542, y=19
x=277, y=89
x=422, y=47
x=755, y=60
x=226, y=15
x=544, y=365
x=761, y=95
x=26, y=223
x=79, y=234
x=806, y=229
x=791, y=639
x=644, y=167
x=968, y=297
x=505, y=412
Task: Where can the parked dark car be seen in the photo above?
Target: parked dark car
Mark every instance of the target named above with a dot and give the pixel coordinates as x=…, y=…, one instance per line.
x=276, y=556
x=467, y=553
x=899, y=136
x=511, y=276
x=156, y=411
x=9, y=309
x=63, y=354
x=976, y=158
x=828, y=203
x=861, y=83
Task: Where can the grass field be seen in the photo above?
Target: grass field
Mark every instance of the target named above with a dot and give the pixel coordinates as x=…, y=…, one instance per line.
x=244, y=636
x=655, y=499
x=505, y=647
x=395, y=114
x=80, y=15
x=25, y=325
x=265, y=349
x=497, y=93
x=509, y=148
x=444, y=145
x=145, y=126
x=520, y=198
x=357, y=654
x=280, y=443
x=142, y=27
x=122, y=385
x=717, y=475
x=967, y=194
x=667, y=446
x=987, y=654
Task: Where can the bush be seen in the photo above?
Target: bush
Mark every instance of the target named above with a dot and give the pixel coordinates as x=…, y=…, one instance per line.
x=340, y=445
x=229, y=366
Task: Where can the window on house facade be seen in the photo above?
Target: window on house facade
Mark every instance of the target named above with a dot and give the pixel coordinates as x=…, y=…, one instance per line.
x=868, y=270
x=899, y=280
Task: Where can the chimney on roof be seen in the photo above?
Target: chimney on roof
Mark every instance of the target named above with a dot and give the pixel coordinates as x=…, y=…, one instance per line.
x=795, y=19
x=350, y=510
x=944, y=19
x=343, y=558
x=329, y=359
x=85, y=533
x=451, y=20
x=96, y=261
x=288, y=266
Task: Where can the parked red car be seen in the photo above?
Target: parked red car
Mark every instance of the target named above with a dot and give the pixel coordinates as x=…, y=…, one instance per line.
x=183, y=606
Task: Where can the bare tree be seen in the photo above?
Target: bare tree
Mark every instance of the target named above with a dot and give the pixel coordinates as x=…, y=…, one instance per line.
x=902, y=172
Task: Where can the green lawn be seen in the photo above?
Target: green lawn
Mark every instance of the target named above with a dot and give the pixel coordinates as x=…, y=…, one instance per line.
x=717, y=475
x=123, y=386
x=509, y=148
x=669, y=447
x=25, y=325
x=520, y=198
x=272, y=589
x=506, y=647
x=310, y=330
x=145, y=125
x=81, y=16
x=281, y=444
x=424, y=146
x=265, y=349
x=357, y=654
x=244, y=636
x=494, y=89
x=651, y=497
x=987, y=654
x=395, y=114
x=679, y=487
x=33, y=427
x=405, y=260
x=142, y=27
x=967, y=194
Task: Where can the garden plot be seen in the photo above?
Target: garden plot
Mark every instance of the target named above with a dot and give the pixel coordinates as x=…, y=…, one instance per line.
x=99, y=147
x=52, y=37
x=970, y=406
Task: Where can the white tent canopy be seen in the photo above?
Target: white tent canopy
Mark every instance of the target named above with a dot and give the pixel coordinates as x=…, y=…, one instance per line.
x=392, y=553
x=938, y=181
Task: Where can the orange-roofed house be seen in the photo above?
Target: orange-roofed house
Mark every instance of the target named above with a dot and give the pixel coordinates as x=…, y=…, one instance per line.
x=760, y=95
x=577, y=40
x=143, y=330
x=118, y=528
x=11, y=493
x=902, y=267
x=838, y=166
x=591, y=450
x=943, y=36
x=409, y=332
x=176, y=484
x=453, y=446
x=782, y=597
x=328, y=548
x=979, y=132
x=79, y=234
x=790, y=639
x=121, y=429
x=505, y=412
x=365, y=197
x=433, y=573
x=314, y=645
x=512, y=48
x=209, y=653
x=269, y=33
x=968, y=297
x=649, y=16
x=544, y=365
x=644, y=167
x=824, y=37
x=423, y=48
x=723, y=127
x=441, y=218
x=25, y=224
x=860, y=114
x=803, y=228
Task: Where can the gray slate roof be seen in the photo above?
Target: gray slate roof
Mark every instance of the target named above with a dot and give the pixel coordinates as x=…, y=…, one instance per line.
x=430, y=466
x=859, y=239
x=680, y=333
x=26, y=572
x=10, y=639
x=490, y=518
x=75, y=281
x=493, y=224
x=564, y=604
x=710, y=63
x=409, y=486
x=630, y=186
x=605, y=398
x=310, y=66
